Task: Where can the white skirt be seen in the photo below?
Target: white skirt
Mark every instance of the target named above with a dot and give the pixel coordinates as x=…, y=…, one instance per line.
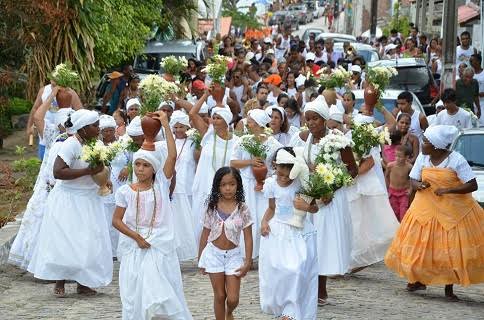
x=73, y=241
x=288, y=271
x=113, y=232
x=150, y=281
x=333, y=223
x=186, y=244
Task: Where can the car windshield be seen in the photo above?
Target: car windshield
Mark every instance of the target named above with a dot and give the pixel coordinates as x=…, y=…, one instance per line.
x=368, y=55
x=151, y=61
x=414, y=78
x=388, y=103
x=466, y=146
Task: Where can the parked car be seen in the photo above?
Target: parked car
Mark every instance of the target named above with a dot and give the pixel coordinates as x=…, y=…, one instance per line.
x=337, y=37
x=149, y=61
x=314, y=7
x=366, y=51
x=277, y=18
x=301, y=12
x=291, y=22
x=389, y=100
x=413, y=75
x=468, y=143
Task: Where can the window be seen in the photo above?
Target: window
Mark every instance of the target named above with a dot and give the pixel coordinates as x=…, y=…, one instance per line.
x=466, y=146
x=413, y=78
x=151, y=61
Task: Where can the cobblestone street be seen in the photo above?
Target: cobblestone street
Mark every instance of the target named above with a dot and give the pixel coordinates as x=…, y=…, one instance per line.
x=374, y=293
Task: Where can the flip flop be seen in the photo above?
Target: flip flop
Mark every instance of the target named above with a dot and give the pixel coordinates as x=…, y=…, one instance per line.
x=322, y=302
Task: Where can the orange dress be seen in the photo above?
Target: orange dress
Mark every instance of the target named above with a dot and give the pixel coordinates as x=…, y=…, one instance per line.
x=441, y=238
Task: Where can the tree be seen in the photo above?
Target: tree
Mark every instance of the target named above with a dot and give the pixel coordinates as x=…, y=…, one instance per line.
x=398, y=22
x=239, y=19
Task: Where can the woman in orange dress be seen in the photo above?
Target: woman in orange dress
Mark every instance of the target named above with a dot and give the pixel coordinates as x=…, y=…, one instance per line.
x=441, y=238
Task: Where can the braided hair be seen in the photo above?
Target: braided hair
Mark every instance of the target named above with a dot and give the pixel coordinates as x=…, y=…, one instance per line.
x=215, y=194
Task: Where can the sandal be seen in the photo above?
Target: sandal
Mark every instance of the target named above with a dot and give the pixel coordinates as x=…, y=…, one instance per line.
x=411, y=287
x=322, y=302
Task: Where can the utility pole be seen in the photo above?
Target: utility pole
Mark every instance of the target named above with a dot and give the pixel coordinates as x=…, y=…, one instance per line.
x=373, y=13
x=417, y=12
x=449, y=17
x=430, y=19
x=423, y=17
x=349, y=17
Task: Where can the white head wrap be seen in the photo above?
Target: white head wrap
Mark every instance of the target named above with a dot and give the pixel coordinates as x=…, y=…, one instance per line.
x=319, y=106
x=310, y=56
x=260, y=117
x=224, y=112
x=300, y=168
x=132, y=102
x=106, y=121
x=441, y=136
x=280, y=109
x=134, y=127
x=362, y=119
x=337, y=111
x=204, y=108
x=439, y=104
x=82, y=118
x=300, y=80
x=60, y=117
x=180, y=117
x=171, y=104
x=149, y=156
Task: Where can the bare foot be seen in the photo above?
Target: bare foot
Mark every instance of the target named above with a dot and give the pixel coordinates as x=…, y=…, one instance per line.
x=411, y=287
x=85, y=290
x=229, y=316
x=59, y=289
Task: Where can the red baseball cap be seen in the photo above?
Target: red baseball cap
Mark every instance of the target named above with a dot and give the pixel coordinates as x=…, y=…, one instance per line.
x=274, y=79
x=198, y=85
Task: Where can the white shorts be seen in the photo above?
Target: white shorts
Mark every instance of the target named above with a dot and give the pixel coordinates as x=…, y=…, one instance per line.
x=215, y=260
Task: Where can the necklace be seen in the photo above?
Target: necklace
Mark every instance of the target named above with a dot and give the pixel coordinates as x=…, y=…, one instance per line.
x=181, y=151
x=153, y=216
x=214, y=155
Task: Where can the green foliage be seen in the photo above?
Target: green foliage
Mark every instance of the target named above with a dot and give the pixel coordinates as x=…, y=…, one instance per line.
x=239, y=19
x=315, y=187
x=18, y=106
x=28, y=169
x=399, y=22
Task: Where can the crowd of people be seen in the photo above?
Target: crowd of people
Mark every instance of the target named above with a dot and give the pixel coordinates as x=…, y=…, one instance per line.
x=185, y=200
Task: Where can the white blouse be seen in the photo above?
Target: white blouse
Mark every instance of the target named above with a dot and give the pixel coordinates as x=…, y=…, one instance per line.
x=454, y=161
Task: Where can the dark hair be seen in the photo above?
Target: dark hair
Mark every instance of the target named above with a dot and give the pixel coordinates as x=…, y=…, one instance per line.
x=285, y=122
x=405, y=95
x=293, y=105
x=405, y=149
x=284, y=165
x=217, y=179
x=393, y=31
x=261, y=85
x=449, y=95
x=403, y=115
x=133, y=77
x=68, y=123
x=478, y=57
x=395, y=136
x=465, y=33
x=314, y=95
x=351, y=94
x=282, y=96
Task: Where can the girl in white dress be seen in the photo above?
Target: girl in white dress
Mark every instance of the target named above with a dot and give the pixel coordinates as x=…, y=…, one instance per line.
x=217, y=147
x=150, y=281
x=281, y=130
x=73, y=241
x=226, y=216
x=288, y=266
x=181, y=198
x=107, y=125
x=257, y=121
x=26, y=239
x=333, y=221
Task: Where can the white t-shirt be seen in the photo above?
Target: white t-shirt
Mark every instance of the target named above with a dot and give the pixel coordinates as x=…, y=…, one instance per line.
x=463, y=55
x=462, y=119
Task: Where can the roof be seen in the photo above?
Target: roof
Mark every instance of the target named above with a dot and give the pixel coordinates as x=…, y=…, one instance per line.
x=357, y=46
x=467, y=13
x=167, y=46
x=403, y=62
x=336, y=36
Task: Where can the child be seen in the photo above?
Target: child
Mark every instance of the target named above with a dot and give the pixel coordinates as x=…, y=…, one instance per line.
x=220, y=255
x=288, y=268
x=150, y=280
x=398, y=181
x=121, y=119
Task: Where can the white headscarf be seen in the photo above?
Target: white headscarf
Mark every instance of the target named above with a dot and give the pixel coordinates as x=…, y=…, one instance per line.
x=300, y=168
x=280, y=109
x=336, y=112
x=319, y=106
x=132, y=102
x=150, y=156
x=60, y=117
x=441, y=136
x=171, y=104
x=106, y=121
x=82, y=118
x=362, y=119
x=224, y=112
x=204, y=108
x=134, y=127
x=260, y=117
x=300, y=80
x=180, y=117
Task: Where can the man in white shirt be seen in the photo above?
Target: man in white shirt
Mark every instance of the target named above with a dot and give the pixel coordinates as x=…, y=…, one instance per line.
x=465, y=50
x=453, y=115
x=475, y=62
x=439, y=106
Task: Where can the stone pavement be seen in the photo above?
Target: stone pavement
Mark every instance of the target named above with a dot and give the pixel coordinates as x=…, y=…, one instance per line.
x=374, y=293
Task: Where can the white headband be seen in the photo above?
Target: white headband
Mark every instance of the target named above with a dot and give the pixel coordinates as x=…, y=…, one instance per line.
x=82, y=118
x=336, y=112
x=106, y=121
x=300, y=168
x=362, y=119
x=132, y=102
x=60, y=117
x=260, y=117
x=319, y=106
x=134, y=127
x=280, y=109
x=180, y=117
x=170, y=104
x=441, y=136
x=149, y=156
x=224, y=112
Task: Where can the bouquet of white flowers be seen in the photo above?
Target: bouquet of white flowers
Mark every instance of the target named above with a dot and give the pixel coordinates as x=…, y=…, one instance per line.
x=195, y=137
x=173, y=65
x=154, y=89
x=64, y=76
x=253, y=146
x=338, y=78
x=366, y=136
x=379, y=77
x=331, y=145
x=217, y=69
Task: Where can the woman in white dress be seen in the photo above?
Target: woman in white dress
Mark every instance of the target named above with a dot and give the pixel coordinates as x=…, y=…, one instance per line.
x=73, y=242
x=119, y=175
x=288, y=266
x=181, y=198
x=26, y=239
x=217, y=147
x=150, y=281
x=333, y=221
x=257, y=121
x=282, y=131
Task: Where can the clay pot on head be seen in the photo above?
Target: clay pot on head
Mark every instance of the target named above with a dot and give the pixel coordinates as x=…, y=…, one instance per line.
x=371, y=96
x=260, y=174
x=64, y=98
x=150, y=127
x=218, y=93
x=330, y=96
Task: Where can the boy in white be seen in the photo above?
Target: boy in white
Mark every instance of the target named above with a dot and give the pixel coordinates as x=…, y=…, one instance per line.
x=453, y=115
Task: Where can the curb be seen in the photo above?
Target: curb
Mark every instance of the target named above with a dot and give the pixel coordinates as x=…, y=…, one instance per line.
x=7, y=234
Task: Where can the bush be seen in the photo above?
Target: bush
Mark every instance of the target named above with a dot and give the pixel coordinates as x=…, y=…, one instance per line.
x=29, y=169
x=18, y=106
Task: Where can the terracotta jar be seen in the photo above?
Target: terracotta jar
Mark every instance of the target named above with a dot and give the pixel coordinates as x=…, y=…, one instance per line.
x=218, y=93
x=101, y=179
x=330, y=96
x=371, y=96
x=150, y=127
x=64, y=98
x=260, y=174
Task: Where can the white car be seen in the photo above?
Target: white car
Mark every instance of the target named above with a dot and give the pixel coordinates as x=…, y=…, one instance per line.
x=389, y=100
x=315, y=8
x=468, y=143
